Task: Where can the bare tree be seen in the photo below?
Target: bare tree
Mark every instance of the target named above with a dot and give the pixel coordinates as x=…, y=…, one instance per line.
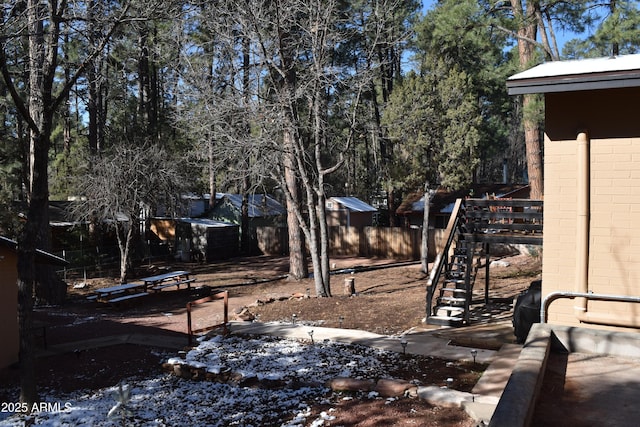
x=125, y=184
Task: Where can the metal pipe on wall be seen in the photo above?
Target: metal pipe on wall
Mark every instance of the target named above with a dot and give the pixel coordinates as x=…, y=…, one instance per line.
x=582, y=293
x=582, y=222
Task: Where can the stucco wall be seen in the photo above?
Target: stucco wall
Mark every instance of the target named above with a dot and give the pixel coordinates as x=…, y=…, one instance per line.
x=611, y=119
x=8, y=308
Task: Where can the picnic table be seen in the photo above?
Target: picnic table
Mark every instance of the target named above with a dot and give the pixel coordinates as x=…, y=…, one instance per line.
x=174, y=278
x=128, y=291
x=119, y=293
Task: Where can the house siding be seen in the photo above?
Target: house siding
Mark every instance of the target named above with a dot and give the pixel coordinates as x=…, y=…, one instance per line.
x=9, y=336
x=610, y=119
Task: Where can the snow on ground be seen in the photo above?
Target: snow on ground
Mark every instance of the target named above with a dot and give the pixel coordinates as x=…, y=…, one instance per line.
x=300, y=368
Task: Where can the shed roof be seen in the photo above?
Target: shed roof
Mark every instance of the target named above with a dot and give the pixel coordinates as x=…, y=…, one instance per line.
x=42, y=256
x=207, y=223
x=260, y=205
x=354, y=204
x=576, y=75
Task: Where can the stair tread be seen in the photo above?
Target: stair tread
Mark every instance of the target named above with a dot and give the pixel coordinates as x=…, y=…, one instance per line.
x=449, y=308
x=442, y=316
x=444, y=320
x=452, y=299
x=457, y=290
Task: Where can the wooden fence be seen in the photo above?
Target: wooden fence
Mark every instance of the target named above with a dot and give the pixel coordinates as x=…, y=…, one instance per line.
x=384, y=242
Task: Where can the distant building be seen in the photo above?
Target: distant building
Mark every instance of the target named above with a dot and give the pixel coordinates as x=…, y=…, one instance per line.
x=262, y=209
x=200, y=239
x=349, y=212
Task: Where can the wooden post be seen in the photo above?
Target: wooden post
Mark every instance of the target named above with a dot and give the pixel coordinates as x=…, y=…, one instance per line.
x=486, y=274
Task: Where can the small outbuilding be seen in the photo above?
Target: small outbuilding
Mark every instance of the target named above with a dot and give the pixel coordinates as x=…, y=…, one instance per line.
x=205, y=239
x=591, y=187
x=263, y=210
x=349, y=212
x=9, y=332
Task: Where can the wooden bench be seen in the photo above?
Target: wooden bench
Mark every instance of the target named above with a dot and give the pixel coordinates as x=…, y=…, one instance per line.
x=118, y=293
x=177, y=283
x=126, y=297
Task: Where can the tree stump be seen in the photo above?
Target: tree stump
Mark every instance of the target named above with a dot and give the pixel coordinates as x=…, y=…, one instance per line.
x=350, y=286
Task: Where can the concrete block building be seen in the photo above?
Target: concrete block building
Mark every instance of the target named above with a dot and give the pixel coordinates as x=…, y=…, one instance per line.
x=591, y=186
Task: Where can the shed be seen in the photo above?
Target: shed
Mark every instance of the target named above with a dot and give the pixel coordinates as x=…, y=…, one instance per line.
x=9, y=332
x=262, y=209
x=592, y=186
x=205, y=239
x=349, y=212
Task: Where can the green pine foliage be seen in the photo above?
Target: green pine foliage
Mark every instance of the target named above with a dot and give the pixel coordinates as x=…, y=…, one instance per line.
x=617, y=33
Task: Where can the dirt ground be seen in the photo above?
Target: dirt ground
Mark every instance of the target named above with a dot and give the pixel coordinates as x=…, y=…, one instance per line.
x=390, y=300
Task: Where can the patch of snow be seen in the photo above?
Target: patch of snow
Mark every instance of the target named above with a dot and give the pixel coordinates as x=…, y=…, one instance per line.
x=500, y=263
x=164, y=400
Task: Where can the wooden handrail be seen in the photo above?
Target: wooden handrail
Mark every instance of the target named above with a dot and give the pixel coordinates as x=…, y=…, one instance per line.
x=441, y=257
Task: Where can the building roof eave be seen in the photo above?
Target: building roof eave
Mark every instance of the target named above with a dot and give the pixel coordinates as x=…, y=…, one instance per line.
x=42, y=256
x=573, y=83
x=578, y=75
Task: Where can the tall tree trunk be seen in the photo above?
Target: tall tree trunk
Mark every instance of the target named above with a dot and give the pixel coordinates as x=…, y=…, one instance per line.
x=38, y=201
x=92, y=110
x=392, y=206
x=245, y=245
x=212, y=176
x=93, y=97
x=298, y=268
x=297, y=252
x=424, y=247
x=533, y=149
x=319, y=111
x=245, y=234
x=527, y=32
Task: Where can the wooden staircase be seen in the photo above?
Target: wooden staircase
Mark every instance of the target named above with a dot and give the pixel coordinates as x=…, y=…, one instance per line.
x=475, y=224
x=455, y=293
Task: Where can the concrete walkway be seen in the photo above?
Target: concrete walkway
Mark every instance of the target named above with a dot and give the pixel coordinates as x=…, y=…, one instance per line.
x=480, y=404
x=422, y=343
